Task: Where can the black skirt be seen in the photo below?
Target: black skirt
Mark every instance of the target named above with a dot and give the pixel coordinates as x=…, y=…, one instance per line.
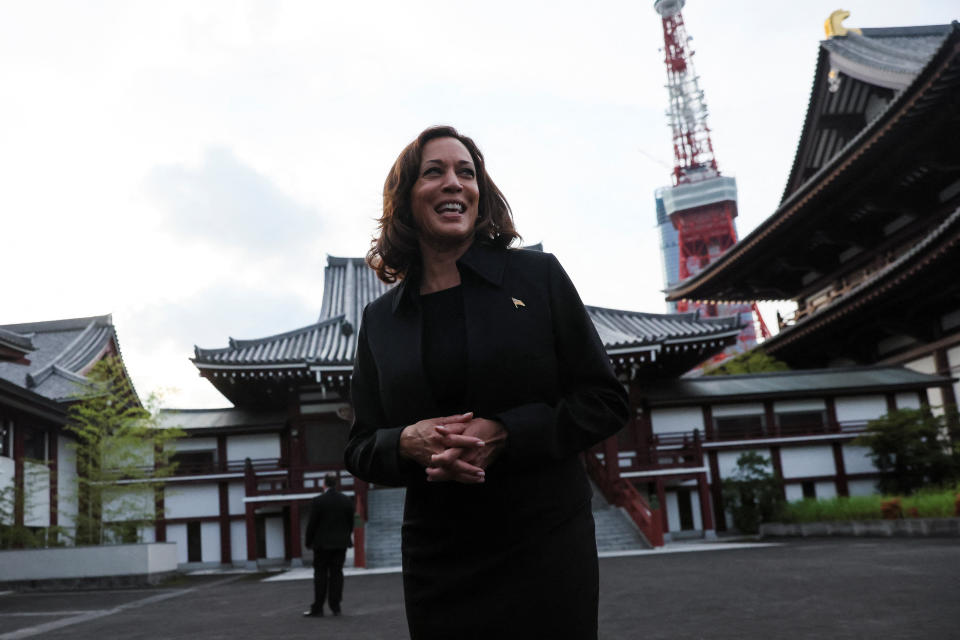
x=496, y=578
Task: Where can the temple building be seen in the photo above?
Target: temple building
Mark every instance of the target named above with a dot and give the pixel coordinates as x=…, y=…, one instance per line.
x=42, y=369
x=866, y=240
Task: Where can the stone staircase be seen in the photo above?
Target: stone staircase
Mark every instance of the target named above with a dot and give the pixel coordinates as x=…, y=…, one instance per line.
x=615, y=530
x=385, y=515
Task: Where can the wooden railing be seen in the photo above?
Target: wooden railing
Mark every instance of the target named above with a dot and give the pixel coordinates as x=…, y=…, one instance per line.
x=622, y=493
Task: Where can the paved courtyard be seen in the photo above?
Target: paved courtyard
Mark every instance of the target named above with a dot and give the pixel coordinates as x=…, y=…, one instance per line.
x=822, y=589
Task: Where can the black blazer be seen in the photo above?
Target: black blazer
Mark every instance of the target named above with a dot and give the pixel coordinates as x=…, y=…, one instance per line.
x=331, y=521
x=535, y=363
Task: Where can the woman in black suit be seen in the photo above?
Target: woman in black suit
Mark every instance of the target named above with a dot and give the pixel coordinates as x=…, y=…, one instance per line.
x=478, y=379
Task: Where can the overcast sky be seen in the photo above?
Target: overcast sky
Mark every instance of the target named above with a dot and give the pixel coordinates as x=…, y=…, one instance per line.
x=188, y=166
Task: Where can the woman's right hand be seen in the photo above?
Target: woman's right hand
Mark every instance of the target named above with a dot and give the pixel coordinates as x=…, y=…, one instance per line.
x=421, y=441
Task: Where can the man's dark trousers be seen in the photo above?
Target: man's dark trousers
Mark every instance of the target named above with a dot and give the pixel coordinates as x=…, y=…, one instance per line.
x=328, y=574
x=328, y=534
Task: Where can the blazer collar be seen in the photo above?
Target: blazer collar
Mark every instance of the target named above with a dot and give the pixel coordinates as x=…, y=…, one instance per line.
x=484, y=260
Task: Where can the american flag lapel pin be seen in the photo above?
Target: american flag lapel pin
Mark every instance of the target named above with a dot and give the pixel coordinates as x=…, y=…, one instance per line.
x=517, y=303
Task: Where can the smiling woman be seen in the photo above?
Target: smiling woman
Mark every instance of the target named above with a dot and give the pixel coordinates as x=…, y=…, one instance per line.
x=478, y=380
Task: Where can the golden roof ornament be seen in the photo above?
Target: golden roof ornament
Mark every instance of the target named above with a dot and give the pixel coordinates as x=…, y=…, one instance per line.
x=833, y=26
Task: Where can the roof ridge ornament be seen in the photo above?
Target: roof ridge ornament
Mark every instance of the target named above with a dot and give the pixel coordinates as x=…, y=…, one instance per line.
x=833, y=25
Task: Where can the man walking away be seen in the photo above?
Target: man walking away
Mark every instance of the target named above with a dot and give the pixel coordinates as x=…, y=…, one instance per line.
x=328, y=534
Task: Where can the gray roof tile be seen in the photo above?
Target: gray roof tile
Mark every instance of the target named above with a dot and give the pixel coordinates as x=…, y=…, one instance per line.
x=62, y=350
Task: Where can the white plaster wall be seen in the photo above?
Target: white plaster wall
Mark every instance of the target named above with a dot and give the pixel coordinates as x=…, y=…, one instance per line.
x=147, y=534
x=857, y=460
x=36, y=495
x=85, y=562
x=193, y=444
x=909, y=400
x=178, y=533
x=273, y=525
x=928, y=365
x=953, y=360
x=801, y=462
x=210, y=542
x=788, y=406
x=854, y=408
x=794, y=492
x=127, y=504
x=265, y=445
x=923, y=365
x=235, y=493
x=747, y=409
x=826, y=490
x=862, y=487
x=191, y=501
x=238, y=541
x=727, y=461
x=66, y=484
x=7, y=470
x=670, y=420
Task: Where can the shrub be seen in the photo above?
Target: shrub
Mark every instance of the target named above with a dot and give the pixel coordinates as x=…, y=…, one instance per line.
x=752, y=494
x=912, y=449
x=892, y=509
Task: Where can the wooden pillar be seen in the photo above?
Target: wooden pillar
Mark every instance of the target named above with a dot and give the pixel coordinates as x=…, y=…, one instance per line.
x=891, y=399
x=662, y=499
x=777, y=463
x=611, y=459
x=250, y=490
x=716, y=490
x=706, y=513
x=52, y=458
x=833, y=425
x=296, y=551
x=222, y=453
x=251, y=522
x=18, y=471
x=226, y=544
x=708, y=422
x=843, y=488
x=160, y=514
x=942, y=364
x=770, y=416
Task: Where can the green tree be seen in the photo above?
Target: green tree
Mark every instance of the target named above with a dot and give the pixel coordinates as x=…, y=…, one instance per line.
x=122, y=455
x=753, y=361
x=752, y=494
x=913, y=448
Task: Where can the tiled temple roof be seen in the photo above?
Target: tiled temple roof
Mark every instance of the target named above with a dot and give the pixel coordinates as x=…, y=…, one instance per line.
x=789, y=384
x=64, y=350
x=622, y=331
x=15, y=341
x=349, y=285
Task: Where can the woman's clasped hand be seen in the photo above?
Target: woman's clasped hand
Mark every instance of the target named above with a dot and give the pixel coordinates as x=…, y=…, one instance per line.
x=455, y=448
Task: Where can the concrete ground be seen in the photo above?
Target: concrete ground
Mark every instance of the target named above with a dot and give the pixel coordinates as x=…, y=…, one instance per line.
x=829, y=588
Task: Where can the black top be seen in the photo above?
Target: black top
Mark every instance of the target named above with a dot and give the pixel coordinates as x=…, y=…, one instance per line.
x=445, y=348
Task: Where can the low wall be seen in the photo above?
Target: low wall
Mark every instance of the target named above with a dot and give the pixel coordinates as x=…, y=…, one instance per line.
x=79, y=567
x=906, y=527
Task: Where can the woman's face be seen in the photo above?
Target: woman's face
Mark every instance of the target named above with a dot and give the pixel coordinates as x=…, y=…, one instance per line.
x=445, y=197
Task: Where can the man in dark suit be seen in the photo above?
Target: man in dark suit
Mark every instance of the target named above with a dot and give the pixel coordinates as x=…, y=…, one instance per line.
x=328, y=534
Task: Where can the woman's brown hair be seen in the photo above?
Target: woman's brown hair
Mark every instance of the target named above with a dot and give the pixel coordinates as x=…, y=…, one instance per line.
x=395, y=250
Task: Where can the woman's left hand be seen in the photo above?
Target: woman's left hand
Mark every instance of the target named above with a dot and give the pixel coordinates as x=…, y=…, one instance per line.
x=443, y=466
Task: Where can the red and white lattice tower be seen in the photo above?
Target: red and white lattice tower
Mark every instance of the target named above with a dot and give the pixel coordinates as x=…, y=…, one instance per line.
x=701, y=204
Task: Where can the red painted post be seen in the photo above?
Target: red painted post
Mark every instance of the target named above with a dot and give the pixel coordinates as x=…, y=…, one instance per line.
x=296, y=551
x=226, y=555
x=662, y=499
x=843, y=488
x=611, y=459
x=706, y=513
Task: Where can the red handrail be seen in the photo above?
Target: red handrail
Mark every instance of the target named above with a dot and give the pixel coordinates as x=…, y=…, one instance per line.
x=622, y=493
